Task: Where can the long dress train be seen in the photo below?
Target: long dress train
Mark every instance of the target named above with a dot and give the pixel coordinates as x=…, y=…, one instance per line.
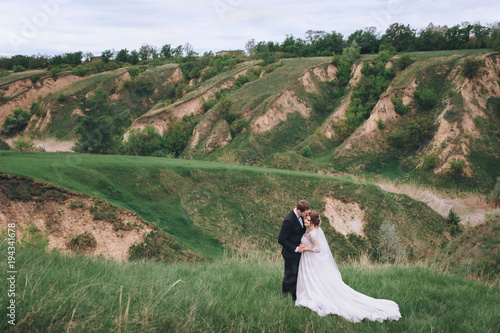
x=321, y=289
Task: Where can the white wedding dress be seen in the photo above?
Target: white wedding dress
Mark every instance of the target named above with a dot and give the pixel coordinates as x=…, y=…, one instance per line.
x=321, y=289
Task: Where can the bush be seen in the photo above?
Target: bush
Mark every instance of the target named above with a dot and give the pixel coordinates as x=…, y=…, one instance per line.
x=472, y=67
x=156, y=246
x=36, y=109
x=380, y=124
x=144, y=142
x=412, y=134
x=207, y=105
x=238, y=125
x=18, y=69
x=457, y=167
x=16, y=122
x=144, y=84
x=426, y=98
x=495, y=193
x=399, y=107
x=404, y=62
x=83, y=242
x=4, y=145
x=306, y=151
x=389, y=247
x=103, y=211
x=431, y=160
x=25, y=145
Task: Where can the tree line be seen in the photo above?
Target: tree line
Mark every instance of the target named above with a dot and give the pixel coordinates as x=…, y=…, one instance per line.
x=402, y=37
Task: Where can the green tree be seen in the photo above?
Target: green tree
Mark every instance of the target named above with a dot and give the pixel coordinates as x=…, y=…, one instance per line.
x=366, y=40
x=122, y=56
x=401, y=36
x=176, y=138
x=101, y=127
x=166, y=51
x=16, y=122
x=107, y=56
x=452, y=218
x=426, y=98
x=146, y=142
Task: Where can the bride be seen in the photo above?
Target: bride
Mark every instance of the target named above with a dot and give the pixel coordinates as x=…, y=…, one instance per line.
x=320, y=286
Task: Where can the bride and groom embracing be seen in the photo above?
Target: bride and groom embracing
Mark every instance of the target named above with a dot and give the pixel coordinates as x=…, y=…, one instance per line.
x=313, y=278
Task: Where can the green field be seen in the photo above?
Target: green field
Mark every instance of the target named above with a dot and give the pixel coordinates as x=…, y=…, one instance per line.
x=211, y=206
x=68, y=293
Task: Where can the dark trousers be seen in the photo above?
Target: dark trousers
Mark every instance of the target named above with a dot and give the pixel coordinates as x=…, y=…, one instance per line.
x=290, y=277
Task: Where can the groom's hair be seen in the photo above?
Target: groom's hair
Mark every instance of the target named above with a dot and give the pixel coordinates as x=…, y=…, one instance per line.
x=303, y=206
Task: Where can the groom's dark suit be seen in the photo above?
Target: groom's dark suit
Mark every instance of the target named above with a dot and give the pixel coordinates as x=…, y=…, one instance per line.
x=290, y=235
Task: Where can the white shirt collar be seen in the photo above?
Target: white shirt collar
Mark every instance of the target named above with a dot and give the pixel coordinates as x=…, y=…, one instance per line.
x=298, y=216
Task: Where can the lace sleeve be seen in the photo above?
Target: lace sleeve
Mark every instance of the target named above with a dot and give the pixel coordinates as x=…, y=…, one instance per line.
x=314, y=239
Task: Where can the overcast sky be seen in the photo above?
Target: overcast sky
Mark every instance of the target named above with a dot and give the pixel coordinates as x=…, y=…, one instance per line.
x=58, y=26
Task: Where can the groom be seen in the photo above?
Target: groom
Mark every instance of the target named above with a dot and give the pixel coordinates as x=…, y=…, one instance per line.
x=290, y=235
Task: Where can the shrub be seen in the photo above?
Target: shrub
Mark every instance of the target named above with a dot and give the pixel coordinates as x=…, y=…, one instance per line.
x=24, y=144
x=36, y=108
x=412, y=134
x=495, y=193
x=454, y=115
x=16, y=122
x=404, y=62
x=142, y=142
x=144, y=84
x=399, y=107
x=83, y=242
x=306, y=151
x=77, y=203
x=457, y=167
x=18, y=69
x=489, y=268
x=472, y=67
x=452, y=218
x=156, y=246
x=389, y=247
x=103, y=211
x=207, y=105
x=4, y=145
x=426, y=98
x=431, y=160
x=238, y=125
x=380, y=124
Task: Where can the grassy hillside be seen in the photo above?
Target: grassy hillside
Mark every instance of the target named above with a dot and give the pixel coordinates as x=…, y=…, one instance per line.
x=80, y=293
x=210, y=206
x=295, y=103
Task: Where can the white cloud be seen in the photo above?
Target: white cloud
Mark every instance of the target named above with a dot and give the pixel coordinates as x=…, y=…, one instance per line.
x=58, y=26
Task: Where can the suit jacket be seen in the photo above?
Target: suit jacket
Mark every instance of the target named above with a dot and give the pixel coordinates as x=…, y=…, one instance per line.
x=290, y=235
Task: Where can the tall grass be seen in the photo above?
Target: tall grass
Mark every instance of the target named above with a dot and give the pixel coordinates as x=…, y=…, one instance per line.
x=57, y=293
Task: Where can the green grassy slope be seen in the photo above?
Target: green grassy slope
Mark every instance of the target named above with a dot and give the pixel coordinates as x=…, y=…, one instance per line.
x=210, y=206
x=86, y=294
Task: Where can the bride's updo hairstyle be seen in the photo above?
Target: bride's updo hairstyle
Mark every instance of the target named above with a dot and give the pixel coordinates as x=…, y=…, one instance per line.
x=315, y=218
